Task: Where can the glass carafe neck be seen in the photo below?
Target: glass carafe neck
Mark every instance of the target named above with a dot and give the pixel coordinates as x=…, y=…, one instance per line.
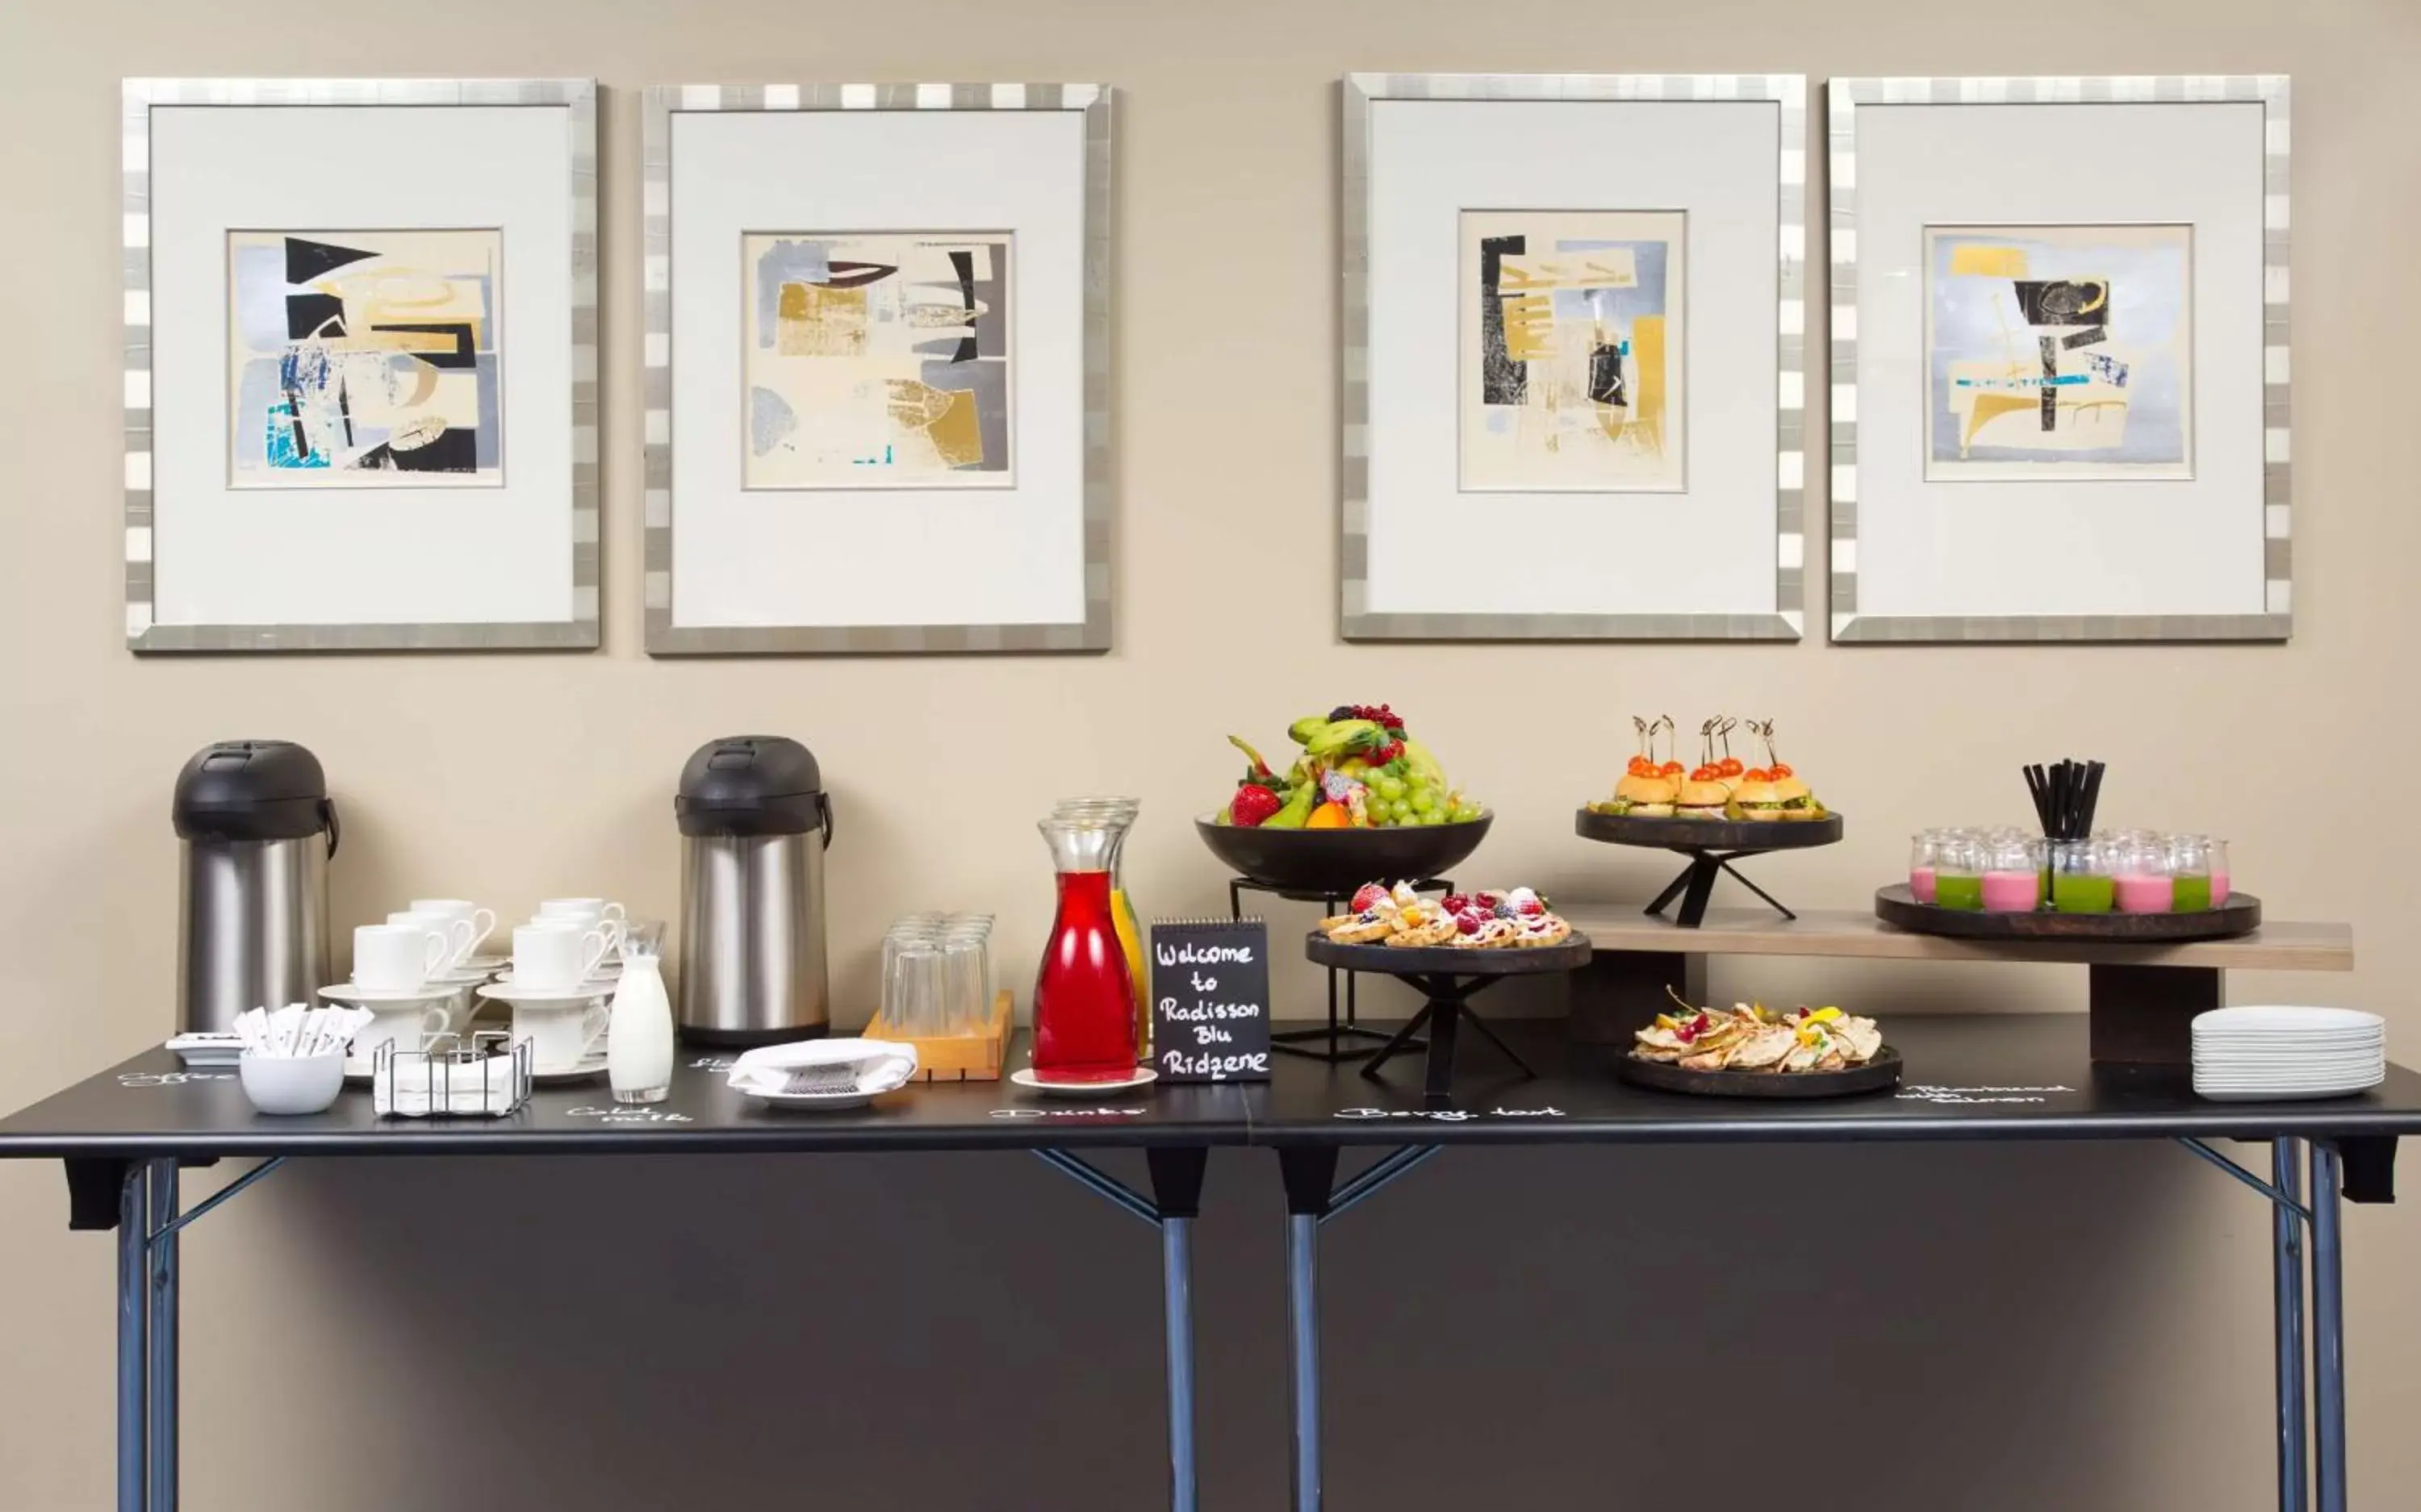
x=1081, y=844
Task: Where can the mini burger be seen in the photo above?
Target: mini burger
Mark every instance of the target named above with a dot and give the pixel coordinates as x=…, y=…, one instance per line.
x=1644, y=796
x=1764, y=796
x=1702, y=797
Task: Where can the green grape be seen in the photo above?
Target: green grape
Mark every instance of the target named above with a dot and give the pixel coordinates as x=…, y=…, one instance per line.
x=1390, y=787
x=1466, y=813
x=1422, y=801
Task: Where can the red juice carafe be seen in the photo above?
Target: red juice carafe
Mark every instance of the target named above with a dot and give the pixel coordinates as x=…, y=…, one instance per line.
x=1083, y=997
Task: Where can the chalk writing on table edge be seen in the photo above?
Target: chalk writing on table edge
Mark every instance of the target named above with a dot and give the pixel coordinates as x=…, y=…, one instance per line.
x=1446, y=1116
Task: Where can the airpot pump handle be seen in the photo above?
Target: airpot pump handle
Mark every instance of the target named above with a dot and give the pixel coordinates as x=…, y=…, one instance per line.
x=824, y=806
x=328, y=812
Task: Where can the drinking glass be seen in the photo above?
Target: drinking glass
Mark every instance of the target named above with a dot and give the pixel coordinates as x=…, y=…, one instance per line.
x=914, y=998
x=2219, y=869
x=964, y=973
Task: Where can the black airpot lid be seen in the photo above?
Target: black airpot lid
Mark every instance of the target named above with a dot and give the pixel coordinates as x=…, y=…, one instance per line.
x=750, y=785
x=252, y=790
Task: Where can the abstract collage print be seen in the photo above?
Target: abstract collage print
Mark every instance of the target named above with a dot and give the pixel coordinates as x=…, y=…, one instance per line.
x=876, y=361
x=364, y=358
x=2058, y=351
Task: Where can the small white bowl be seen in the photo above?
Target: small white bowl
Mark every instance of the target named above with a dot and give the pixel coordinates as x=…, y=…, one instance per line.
x=292, y=1085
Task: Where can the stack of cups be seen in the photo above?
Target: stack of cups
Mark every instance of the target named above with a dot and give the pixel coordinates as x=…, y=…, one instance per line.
x=937, y=974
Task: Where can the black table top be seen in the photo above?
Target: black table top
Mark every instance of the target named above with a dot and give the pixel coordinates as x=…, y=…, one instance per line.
x=1968, y=1077
x=1982, y=1076
x=152, y=1106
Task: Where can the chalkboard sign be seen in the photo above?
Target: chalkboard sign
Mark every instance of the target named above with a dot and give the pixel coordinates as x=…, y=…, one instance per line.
x=1210, y=1000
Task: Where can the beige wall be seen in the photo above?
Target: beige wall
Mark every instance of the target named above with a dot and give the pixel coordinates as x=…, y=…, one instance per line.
x=1999, y=1329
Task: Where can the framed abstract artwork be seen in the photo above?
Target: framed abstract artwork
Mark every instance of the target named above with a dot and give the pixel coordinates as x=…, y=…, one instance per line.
x=892, y=365
x=361, y=364
x=1573, y=331
x=2060, y=358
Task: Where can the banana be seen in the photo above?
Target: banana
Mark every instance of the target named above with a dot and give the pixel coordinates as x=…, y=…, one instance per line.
x=1345, y=735
x=1303, y=730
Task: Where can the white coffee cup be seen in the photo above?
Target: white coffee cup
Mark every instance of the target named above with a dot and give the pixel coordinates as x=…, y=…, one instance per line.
x=560, y=1035
x=395, y=956
x=548, y=957
x=610, y=928
x=482, y=921
x=408, y=1026
x=455, y=934
x=595, y=910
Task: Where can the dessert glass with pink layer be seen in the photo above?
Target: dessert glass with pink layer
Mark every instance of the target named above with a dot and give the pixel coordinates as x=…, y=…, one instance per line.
x=2142, y=877
x=1923, y=858
x=2012, y=880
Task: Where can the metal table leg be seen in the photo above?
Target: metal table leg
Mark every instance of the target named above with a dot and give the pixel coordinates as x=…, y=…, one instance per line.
x=1177, y=1176
x=1177, y=1173
x=1310, y=1175
x=1303, y=1375
x=2328, y=1335
x=2287, y=1232
x=1177, y=1283
x=159, y=1387
x=133, y=1312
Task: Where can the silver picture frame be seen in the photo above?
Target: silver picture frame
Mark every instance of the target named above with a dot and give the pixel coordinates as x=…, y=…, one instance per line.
x=1847, y=622
x=578, y=97
x=1089, y=634
x=1789, y=93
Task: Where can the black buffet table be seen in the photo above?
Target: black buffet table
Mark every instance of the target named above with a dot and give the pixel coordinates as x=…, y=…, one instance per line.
x=125, y=1134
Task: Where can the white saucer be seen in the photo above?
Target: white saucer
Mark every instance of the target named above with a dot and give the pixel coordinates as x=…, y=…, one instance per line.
x=593, y=1066
x=427, y=992
x=817, y=1102
x=505, y=991
x=483, y=963
x=1143, y=1076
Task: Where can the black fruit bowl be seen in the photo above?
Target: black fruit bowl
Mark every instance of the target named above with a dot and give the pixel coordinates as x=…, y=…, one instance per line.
x=1334, y=862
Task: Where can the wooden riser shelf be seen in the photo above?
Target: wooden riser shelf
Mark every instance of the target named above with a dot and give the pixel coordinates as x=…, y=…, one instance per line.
x=2142, y=997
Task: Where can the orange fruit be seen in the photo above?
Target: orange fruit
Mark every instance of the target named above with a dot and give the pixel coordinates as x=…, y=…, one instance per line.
x=1329, y=817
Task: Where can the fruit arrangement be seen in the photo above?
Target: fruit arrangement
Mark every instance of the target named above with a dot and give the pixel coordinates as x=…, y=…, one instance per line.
x=1379, y=914
x=1719, y=787
x=1359, y=770
x=1750, y=1036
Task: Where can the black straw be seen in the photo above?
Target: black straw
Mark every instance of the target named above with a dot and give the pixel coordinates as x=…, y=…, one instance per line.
x=2065, y=796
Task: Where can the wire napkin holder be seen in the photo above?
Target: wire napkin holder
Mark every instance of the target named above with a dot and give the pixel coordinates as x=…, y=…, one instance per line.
x=485, y=1077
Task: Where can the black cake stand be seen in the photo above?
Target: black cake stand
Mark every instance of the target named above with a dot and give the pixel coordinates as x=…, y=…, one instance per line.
x=1448, y=977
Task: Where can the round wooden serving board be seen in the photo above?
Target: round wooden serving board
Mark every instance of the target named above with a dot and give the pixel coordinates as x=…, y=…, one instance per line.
x=1446, y=960
x=1878, y=1075
x=1708, y=834
x=1896, y=906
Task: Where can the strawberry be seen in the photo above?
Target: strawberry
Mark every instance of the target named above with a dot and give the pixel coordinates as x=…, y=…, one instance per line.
x=1532, y=909
x=1455, y=903
x=1370, y=897
x=1252, y=805
x=1466, y=923
x=1486, y=902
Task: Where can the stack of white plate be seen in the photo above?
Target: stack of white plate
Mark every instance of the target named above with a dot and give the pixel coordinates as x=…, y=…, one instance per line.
x=2268, y=1054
